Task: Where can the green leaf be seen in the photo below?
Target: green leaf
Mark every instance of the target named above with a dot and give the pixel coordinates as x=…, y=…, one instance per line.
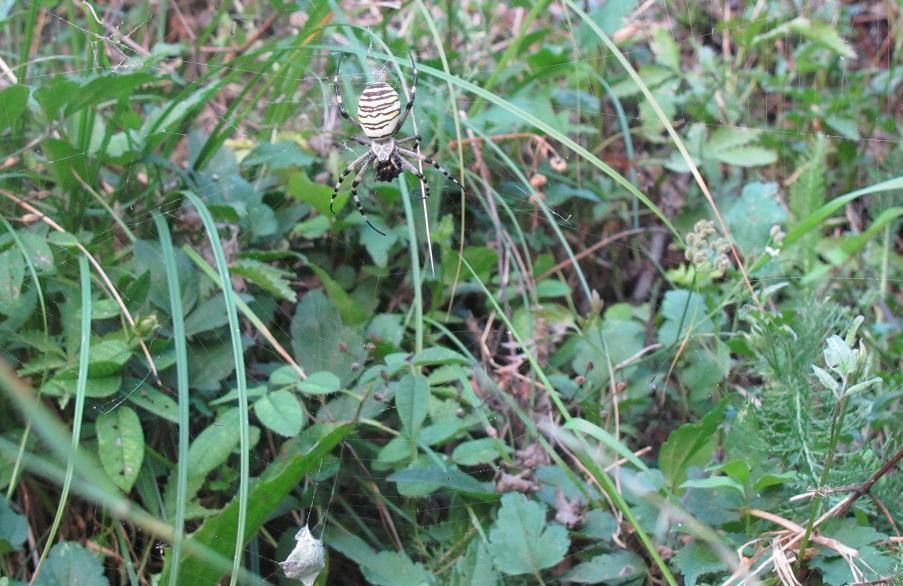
x=12, y=276
x=412, y=399
x=321, y=342
x=695, y=560
x=213, y=445
x=96, y=388
x=820, y=32
x=475, y=567
x=207, y=315
x=320, y=383
x=298, y=457
x=685, y=313
x=351, y=311
x=594, y=431
x=609, y=568
x=13, y=528
x=268, y=278
x=433, y=478
x=599, y=524
x=280, y=412
x=107, y=358
x=714, y=482
x=120, y=443
x=314, y=194
x=385, y=568
x=439, y=355
x=747, y=156
x=280, y=155
x=377, y=245
x=521, y=541
x=753, y=214
x=154, y=401
x=312, y=228
x=38, y=251
x=689, y=445
x=480, y=451
x=13, y=101
x=66, y=160
x=69, y=563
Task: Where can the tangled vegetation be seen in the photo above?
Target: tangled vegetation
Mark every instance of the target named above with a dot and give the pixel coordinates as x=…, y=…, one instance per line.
x=655, y=340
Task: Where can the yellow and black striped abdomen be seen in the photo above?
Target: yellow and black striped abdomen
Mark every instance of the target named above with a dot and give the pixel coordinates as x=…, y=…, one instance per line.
x=378, y=109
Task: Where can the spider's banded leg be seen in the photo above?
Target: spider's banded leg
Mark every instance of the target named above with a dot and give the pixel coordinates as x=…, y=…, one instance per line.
x=338, y=96
x=410, y=103
x=348, y=169
x=357, y=200
x=415, y=139
x=430, y=161
x=410, y=168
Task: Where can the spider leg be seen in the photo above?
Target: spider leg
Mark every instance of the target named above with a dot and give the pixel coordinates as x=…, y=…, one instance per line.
x=430, y=161
x=338, y=95
x=415, y=139
x=357, y=201
x=338, y=184
x=410, y=168
x=410, y=103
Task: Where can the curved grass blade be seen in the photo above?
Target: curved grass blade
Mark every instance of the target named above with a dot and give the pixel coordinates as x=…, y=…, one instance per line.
x=178, y=334
x=80, y=384
x=241, y=383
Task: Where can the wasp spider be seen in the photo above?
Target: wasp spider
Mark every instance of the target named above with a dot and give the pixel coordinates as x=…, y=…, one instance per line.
x=380, y=118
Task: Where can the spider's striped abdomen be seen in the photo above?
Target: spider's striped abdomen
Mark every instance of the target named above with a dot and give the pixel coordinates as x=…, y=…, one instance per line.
x=378, y=109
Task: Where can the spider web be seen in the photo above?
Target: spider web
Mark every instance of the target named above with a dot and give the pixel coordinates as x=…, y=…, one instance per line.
x=117, y=39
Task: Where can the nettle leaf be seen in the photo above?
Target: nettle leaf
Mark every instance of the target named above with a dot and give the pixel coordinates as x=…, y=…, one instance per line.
x=120, y=443
x=280, y=412
x=71, y=563
x=689, y=445
x=521, y=541
x=695, y=560
x=609, y=568
x=412, y=399
x=13, y=528
x=267, y=277
x=213, y=445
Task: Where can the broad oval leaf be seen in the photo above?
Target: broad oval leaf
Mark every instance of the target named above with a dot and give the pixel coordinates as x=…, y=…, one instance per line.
x=320, y=383
x=412, y=397
x=71, y=563
x=213, y=445
x=280, y=412
x=120, y=443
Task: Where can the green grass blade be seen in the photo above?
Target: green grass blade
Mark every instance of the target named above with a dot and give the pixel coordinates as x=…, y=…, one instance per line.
x=80, y=385
x=178, y=329
x=241, y=383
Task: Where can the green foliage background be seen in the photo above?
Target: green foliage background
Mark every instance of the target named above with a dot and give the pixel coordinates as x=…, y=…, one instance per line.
x=656, y=340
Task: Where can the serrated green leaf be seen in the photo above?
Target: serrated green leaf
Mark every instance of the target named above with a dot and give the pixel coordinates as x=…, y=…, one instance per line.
x=280, y=412
x=609, y=568
x=412, y=397
x=120, y=443
x=70, y=563
x=321, y=342
x=697, y=559
x=753, y=214
x=268, y=278
x=520, y=539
